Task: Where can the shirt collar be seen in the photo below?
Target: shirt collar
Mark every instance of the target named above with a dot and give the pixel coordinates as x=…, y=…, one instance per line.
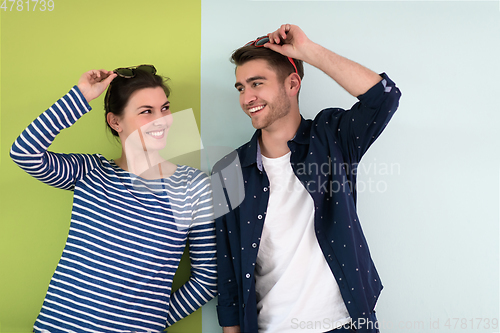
x=250, y=152
x=303, y=133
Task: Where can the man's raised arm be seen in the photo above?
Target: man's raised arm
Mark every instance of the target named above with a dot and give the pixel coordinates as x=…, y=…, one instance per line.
x=291, y=41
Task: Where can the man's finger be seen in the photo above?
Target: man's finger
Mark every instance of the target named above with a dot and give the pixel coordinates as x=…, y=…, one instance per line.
x=274, y=47
x=283, y=31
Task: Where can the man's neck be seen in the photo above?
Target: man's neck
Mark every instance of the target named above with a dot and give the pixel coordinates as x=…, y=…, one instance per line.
x=273, y=141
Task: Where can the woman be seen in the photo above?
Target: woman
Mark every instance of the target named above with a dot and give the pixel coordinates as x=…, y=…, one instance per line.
x=131, y=217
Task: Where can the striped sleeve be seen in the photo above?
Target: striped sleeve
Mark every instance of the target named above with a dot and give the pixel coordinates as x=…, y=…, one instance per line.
x=202, y=285
x=29, y=151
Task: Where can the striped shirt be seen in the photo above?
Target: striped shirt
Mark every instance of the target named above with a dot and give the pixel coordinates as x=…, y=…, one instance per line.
x=126, y=237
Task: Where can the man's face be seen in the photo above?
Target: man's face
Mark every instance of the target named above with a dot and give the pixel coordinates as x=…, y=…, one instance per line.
x=262, y=94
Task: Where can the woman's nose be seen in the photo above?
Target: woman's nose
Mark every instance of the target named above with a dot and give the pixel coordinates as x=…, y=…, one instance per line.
x=160, y=121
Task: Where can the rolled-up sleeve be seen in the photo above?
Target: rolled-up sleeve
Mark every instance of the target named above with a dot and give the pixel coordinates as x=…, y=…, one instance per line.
x=356, y=129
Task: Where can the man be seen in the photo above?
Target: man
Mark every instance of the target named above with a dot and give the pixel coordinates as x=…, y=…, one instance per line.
x=293, y=256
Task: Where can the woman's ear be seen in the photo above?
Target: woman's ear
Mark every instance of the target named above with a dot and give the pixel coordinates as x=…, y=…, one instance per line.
x=114, y=122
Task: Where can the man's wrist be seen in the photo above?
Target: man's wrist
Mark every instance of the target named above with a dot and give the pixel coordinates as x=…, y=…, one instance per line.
x=315, y=55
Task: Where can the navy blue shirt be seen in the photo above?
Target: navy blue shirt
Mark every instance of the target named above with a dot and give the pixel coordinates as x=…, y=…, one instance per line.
x=324, y=155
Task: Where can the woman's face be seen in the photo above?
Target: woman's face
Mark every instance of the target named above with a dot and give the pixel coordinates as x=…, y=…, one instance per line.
x=146, y=120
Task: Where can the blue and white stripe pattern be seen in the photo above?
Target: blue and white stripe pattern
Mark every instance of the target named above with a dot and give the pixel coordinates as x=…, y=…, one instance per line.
x=125, y=241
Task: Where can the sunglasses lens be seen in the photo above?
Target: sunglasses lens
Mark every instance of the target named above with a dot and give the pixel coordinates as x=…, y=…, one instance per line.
x=262, y=41
x=124, y=72
x=147, y=68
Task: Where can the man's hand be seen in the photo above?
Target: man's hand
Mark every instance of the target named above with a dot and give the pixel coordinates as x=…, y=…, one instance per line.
x=290, y=41
x=231, y=329
x=93, y=83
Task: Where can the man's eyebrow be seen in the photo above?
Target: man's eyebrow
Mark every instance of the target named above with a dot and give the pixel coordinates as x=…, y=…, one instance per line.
x=250, y=79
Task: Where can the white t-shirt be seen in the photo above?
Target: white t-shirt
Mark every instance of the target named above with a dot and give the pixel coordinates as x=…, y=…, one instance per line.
x=296, y=290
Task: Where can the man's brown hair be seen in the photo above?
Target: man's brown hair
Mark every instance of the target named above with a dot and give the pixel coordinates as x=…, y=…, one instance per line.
x=278, y=62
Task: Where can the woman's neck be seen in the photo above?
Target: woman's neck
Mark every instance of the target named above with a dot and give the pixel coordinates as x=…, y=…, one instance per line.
x=148, y=165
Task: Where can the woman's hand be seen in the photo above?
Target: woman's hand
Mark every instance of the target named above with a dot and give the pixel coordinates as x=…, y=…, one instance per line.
x=94, y=82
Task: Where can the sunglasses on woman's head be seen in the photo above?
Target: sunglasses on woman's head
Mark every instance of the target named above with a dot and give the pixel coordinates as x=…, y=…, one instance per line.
x=129, y=72
x=259, y=42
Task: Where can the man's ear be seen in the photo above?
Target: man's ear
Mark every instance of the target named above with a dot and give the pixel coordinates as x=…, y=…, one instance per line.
x=114, y=122
x=294, y=84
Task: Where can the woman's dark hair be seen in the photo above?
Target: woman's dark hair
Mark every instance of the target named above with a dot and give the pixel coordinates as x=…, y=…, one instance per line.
x=120, y=90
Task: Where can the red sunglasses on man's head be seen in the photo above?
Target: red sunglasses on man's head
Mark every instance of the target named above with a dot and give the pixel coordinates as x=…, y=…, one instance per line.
x=259, y=42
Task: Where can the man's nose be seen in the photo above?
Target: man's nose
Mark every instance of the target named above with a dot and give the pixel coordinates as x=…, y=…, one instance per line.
x=249, y=97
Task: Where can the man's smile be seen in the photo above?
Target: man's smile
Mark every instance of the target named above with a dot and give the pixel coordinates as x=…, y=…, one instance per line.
x=256, y=108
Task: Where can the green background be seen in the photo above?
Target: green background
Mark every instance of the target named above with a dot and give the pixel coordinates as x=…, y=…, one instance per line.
x=43, y=55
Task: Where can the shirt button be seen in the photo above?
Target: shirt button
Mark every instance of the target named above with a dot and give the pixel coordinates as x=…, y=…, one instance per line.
x=247, y=276
x=254, y=245
x=265, y=189
x=259, y=217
